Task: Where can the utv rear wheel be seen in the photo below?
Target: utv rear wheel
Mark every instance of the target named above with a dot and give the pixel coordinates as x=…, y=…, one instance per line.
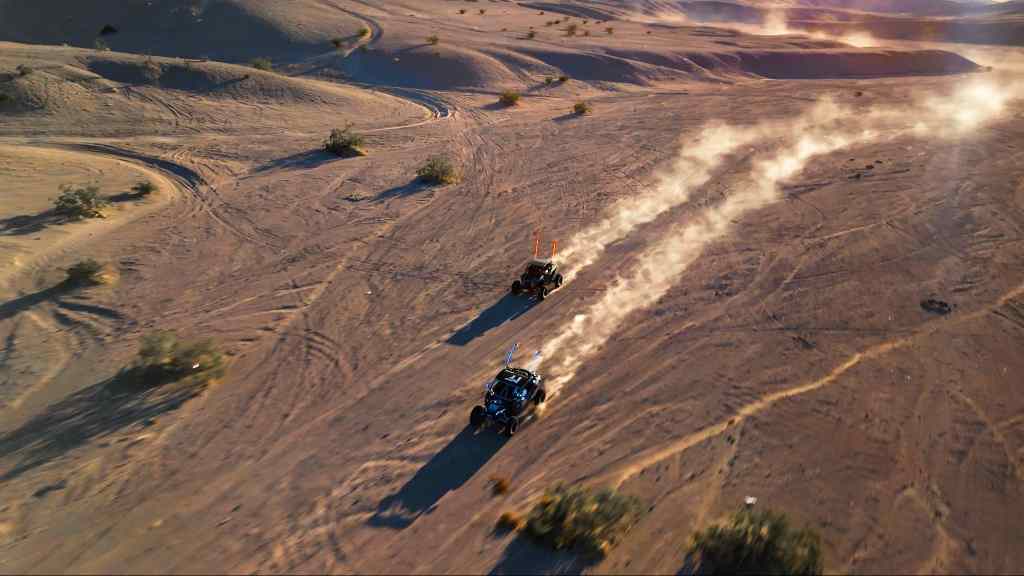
x=542, y=395
x=517, y=287
x=512, y=427
x=542, y=293
x=477, y=416
x=558, y=280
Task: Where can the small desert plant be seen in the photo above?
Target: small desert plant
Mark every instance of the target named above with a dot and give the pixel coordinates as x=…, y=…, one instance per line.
x=586, y=32
x=582, y=519
x=531, y=34
x=438, y=170
x=571, y=29
x=261, y=64
x=482, y=11
x=757, y=542
x=151, y=70
x=79, y=203
x=163, y=357
x=23, y=69
x=100, y=45
x=363, y=32
x=462, y=10
x=580, y=108
x=548, y=81
x=563, y=78
x=345, y=143
x=510, y=521
x=144, y=188
x=86, y=272
x=433, y=39
x=610, y=30
x=509, y=98
x=499, y=486
x=337, y=43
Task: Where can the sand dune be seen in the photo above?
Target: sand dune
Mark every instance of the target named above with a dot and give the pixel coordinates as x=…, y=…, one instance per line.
x=754, y=221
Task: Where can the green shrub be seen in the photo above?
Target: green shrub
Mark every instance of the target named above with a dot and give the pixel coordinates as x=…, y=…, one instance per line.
x=79, y=203
x=345, y=143
x=438, y=170
x=261, y=64
x=86, y=272
x=462, y=10
x=482, y=11
x=162, y=358
x=757, y=542
x=580, y=108
x=531, y=34
x=363, y=32
x=548, y=81
x=610, y=30
x=433, y=39
x=571, y=29
x=509, y=98
x=563, y=78
x=582, y=519
x=144, y=188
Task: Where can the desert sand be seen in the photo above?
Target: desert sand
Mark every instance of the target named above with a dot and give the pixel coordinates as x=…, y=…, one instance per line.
x=751, y=216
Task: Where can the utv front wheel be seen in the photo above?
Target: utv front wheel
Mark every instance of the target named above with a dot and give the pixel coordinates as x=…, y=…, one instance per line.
x=512, y=427
x=558, y=280
x=542, y=293
x=542, y=395
x=517, y=287
x=477, y=416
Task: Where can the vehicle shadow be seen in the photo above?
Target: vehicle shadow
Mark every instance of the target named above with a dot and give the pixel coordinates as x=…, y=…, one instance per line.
x=522, y=556
x=96, y=411
x=449, y=469
x=508, y=308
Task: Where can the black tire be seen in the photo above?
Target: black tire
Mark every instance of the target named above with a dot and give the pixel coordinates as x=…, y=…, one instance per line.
x=477, y=416
x=517, y=287
x=542, y=293
x=542, y=395
x=558, y=280
x=512, y=427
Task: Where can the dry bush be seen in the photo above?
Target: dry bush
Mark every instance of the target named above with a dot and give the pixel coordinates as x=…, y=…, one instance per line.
x=438, y=170
x=337, y=43
x=5, y=98
x=482, y=11
x=499, y=486
x=462, y=10
x=23, y=69
x=345, y=143
x=144, y=188
x=531, y=34
x=363, y=32
x=581, y=519
x=563, y=78
x=757, y=542
x=610, y=30
x=164, y=358
x=100, y=45
x=571, y=29
x=86, y=272
x=261, y=64
x=509, y=98
x=433, y=39
x=548, y=81
x=152, y=71
x=79, y=203
x=580, y=108
x=510, y=521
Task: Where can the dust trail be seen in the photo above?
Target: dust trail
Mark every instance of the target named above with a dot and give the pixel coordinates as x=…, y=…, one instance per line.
x=691, y=169
x=659, y=267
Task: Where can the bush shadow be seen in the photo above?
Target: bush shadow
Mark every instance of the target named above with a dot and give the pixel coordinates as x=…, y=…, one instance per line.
x=412, y=187
x=130, y=397
x=11, y=308
x=306, y=159
x=449, y=469
x=523, y=556
x=509, y=307
x=566, y=117
x=28, y=223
